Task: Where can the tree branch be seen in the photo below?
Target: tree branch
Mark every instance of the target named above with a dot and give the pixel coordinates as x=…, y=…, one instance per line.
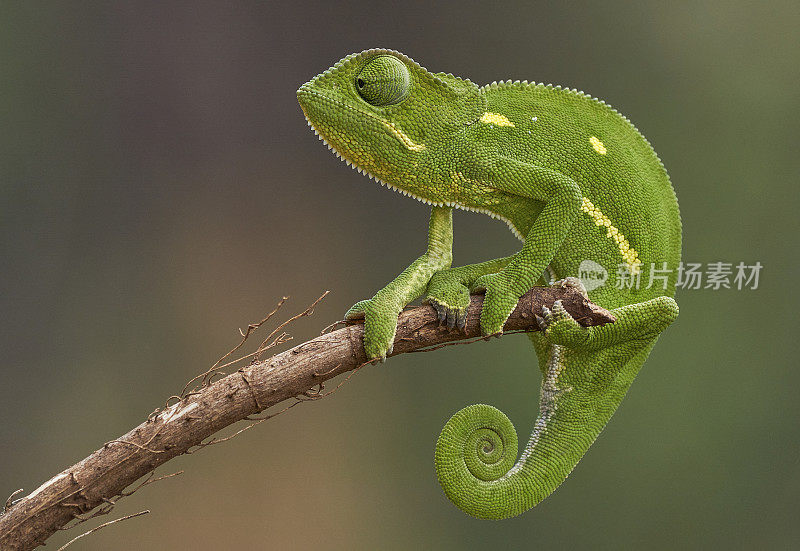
x=104, y=475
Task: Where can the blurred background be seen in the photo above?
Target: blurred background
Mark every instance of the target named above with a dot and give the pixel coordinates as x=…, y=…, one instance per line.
x=160, y=189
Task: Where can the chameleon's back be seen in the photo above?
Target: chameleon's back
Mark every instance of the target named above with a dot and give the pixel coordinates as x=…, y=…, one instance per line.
x=630, y=213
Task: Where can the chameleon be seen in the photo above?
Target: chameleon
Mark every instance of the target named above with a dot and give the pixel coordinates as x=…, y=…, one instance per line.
x=576, y=182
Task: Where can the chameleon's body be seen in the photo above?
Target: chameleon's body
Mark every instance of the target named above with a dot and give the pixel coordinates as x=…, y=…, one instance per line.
x=575, y=181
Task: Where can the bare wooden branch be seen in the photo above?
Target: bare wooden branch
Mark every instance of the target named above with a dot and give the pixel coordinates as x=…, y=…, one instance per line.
x=291, y=375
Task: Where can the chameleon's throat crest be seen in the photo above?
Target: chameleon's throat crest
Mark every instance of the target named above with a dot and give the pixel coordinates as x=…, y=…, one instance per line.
x=413, y=195
x=355, y=166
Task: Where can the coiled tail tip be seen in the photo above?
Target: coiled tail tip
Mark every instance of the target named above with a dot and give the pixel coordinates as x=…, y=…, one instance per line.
x=474, y=453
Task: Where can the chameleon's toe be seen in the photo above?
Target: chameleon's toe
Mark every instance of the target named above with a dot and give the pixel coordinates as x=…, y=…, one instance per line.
x=357, y=311
x=452, y=316
x=559, y=327
x=558, y=313
x=380, y=326
x=573, y=282
x=441, y=311
x=449, y=297
x=498, y=304
x=461, y=319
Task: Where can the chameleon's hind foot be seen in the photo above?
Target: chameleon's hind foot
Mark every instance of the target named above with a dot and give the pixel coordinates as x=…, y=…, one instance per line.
x=559, y=327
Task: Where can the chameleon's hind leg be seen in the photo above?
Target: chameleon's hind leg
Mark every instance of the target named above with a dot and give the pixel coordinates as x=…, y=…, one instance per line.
x=641, y=320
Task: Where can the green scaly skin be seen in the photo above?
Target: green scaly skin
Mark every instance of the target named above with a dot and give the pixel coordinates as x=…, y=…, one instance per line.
x=575, y=181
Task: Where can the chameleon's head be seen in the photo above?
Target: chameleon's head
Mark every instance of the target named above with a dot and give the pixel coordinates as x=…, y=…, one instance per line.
x=386, y=115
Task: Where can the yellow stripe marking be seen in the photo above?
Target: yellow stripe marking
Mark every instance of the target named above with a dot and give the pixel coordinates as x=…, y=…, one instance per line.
x=403, y=137
x=495, y=118
x=629, y=254
x=598, y=145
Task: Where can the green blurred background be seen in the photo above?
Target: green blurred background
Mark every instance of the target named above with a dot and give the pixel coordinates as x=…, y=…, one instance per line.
x=160, y=189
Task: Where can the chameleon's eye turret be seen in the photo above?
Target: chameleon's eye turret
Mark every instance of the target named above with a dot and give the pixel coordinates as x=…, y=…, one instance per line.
x=383, y=81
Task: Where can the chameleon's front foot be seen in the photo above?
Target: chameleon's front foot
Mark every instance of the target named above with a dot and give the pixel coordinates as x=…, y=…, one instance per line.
x=500, y=301
x=449, y=297
x=380, y=325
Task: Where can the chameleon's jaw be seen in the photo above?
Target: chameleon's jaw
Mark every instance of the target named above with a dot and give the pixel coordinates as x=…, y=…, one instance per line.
x=363, y=170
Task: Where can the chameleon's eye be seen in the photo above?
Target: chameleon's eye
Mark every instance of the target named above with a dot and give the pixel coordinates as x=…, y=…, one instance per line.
x=383, y=81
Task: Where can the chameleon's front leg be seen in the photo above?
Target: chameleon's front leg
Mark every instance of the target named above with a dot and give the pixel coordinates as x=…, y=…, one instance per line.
x=562, y=198
x=381, y=311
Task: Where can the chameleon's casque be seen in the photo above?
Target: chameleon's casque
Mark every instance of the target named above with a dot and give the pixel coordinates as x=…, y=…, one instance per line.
x=577, y=183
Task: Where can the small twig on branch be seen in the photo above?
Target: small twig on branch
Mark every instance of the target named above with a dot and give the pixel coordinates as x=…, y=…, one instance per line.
x=148, y=480
x=185, y=424
x=245, y=335
x=96, y=528
x=11, y=501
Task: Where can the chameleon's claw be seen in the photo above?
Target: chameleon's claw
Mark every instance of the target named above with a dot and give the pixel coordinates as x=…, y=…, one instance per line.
x=559, y=310
x=461, y=320
x=573, y=282
x=559, y=327
x=557, y=313
x=441, y=311
x=450, y=316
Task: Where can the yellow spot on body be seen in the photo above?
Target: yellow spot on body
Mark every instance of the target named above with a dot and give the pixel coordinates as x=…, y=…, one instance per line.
x=495, y=118
x=403, y=137
x=629, y=254
x=598, y=145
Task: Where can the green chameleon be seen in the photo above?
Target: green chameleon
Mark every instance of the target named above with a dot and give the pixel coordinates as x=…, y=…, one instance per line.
x=575, y=182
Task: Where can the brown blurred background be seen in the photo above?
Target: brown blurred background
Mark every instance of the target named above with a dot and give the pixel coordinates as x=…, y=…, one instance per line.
x=160, y=189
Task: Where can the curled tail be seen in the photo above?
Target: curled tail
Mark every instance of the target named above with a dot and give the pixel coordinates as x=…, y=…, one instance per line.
x=477, y=467
x=476, y=453
x=581, y=389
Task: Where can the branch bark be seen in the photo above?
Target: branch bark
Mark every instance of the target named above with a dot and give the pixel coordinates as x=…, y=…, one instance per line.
x=103, y=475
